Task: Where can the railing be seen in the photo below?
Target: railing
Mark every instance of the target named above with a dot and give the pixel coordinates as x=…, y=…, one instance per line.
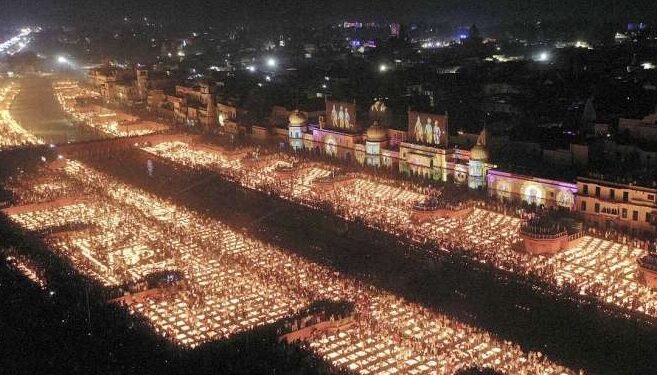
x=440, y=205
x=649, y=262
x=541, y=236
x=576, y=236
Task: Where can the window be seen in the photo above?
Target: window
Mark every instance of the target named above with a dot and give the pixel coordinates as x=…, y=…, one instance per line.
x=585, y=189
x=635, y=215
x=612, y=194
x=651, y=197
x=597, y=208
x=583, y=206
x=597, y=191
x=626, y=196
x=624, y=213
x=647, y=217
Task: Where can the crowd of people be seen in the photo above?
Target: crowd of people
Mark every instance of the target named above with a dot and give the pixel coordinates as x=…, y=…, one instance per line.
x=233, y=283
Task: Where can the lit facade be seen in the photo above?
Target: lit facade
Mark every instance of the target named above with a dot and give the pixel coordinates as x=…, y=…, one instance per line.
x=532, y=190
x=379, y=146
x=121, y=86
x=613, y=205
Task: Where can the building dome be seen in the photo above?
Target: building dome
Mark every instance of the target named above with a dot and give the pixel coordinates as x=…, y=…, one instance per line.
x=376, y=133
x=297, y=118
x=479, y=153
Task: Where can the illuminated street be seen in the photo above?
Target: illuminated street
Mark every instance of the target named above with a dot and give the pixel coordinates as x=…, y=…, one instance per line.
x=12, y=134
x=37, y=110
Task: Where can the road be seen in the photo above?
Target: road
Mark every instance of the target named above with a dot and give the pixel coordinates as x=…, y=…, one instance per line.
x=37, y=111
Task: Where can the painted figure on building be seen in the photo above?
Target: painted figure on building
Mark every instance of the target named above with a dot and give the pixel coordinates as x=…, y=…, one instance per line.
x=341, y=117
x=436, y=133
x=418, y=130
x=334, y=116
x=428, y=131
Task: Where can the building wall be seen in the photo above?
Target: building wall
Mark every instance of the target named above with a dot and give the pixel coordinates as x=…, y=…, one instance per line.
x=335, y=143
x=616, y=205
x=644, y=129
x=533, y=190
x=430, y=162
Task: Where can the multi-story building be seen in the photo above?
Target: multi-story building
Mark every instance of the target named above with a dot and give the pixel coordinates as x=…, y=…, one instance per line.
x=114, y=84
x=126, y=86
x=645, y=128
x=614, y=205
x=188, y=105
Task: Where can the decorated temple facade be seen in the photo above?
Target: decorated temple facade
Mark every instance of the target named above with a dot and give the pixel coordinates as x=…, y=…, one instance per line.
x=420, y=150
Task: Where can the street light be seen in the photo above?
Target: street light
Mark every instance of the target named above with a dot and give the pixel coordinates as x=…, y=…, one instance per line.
x=271, y=62
x=543, y=56
x=383, y=68
x=62, y=60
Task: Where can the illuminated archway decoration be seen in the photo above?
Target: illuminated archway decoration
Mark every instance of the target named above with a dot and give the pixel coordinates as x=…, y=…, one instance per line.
x=565, y=199
x=533, y=194
x=504, y=189
x=460, y=174
x=331, y=147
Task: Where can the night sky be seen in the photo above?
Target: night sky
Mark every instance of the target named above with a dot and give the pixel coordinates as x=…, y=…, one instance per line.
x=186, y=12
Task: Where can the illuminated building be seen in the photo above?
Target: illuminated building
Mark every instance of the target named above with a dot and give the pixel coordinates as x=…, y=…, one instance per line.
x=420, y=160
x=120, y=85
x=126, y=86
x=296, y=129
x=532, y=190
x=191, y=106
x=376, y=139
x=421, y=150
x=614, y=205
x=395, y=30
x=228, y=117
x=478, y=164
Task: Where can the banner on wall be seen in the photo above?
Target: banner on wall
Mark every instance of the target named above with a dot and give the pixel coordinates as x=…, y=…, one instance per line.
x=427, y=128
x=340, y=115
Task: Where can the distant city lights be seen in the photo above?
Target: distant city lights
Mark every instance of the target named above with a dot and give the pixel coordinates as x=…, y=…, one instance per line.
x=18, y=42
x=543, y=56
x=433, y=44
x=582, y=44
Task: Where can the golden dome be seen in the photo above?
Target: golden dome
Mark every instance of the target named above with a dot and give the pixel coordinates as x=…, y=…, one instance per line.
x=376, y=133
x=297, y=118
x=479, y=152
